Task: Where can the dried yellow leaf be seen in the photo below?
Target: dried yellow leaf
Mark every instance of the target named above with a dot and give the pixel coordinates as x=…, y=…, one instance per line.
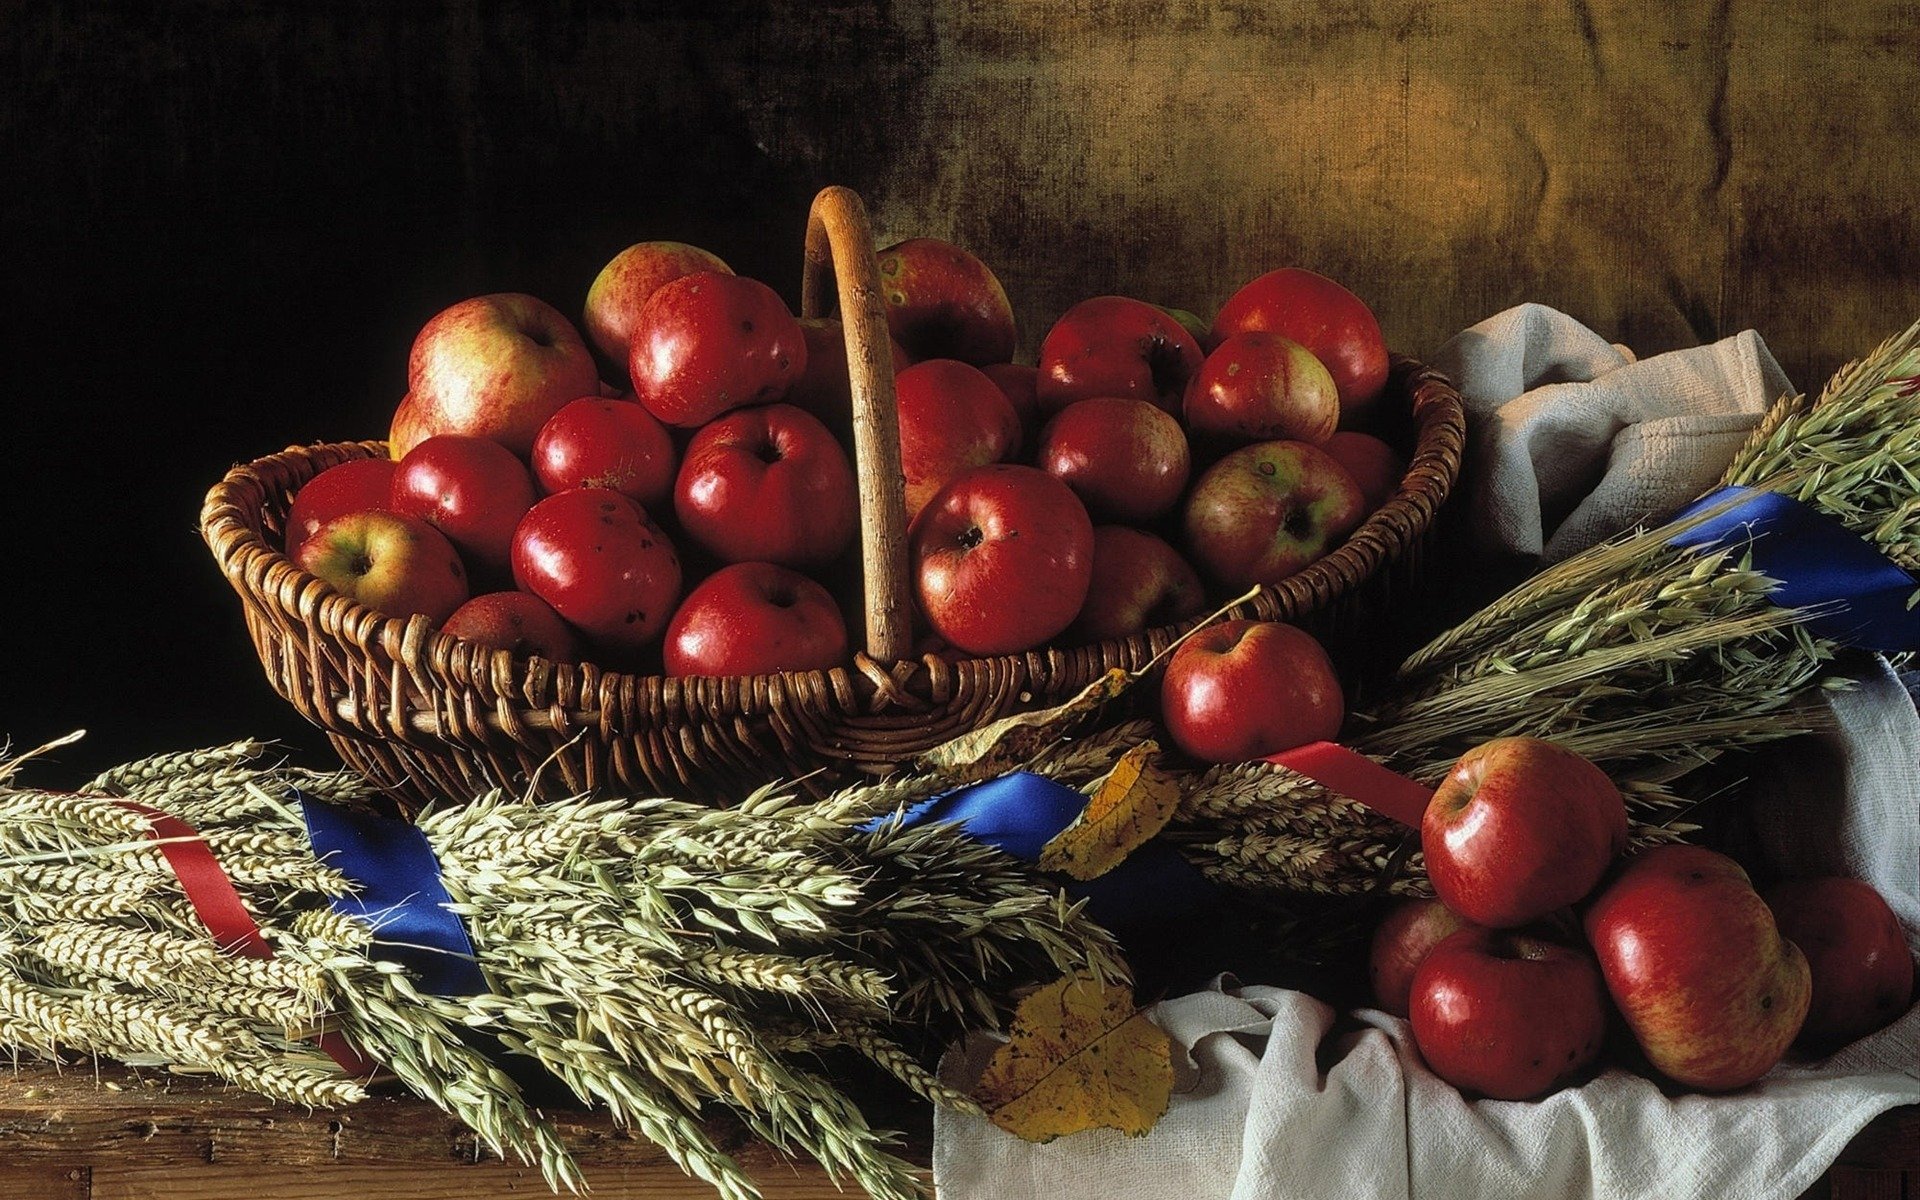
x=1009, y=743
x=1133, y=803
x=1079, y=1056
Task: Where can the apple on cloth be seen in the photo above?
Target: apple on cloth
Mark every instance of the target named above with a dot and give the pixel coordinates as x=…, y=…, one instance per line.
x=1277, y=1103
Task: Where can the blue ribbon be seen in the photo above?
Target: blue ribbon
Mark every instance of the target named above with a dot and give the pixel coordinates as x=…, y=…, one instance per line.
x=399, y=894
x=1153, y=889
x=1859, y=597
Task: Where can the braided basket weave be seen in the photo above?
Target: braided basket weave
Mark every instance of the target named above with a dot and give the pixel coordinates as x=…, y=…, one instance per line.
x=424, y=715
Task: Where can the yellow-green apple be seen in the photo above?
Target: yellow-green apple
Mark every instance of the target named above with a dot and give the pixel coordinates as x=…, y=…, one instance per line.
x=1507, y=1015
x=1127, y=460
x=1242, y=690
x=494, y=367
x=1374, y=465
x=942, y=302
x=396, y=565
x=755, y=618
x=1712, y=990
x=471, y=489
x=611, y=443
x=1139, y=583
x=706, y=343
x=1266, y=510
x=622, y=288
x=825, y=388
x=767, y=484
x=1332, y=322
x=1116, y=346
x=1857, y=953
x=952, y=418
x=599, y=560
x=1002, y=559
x=1191, y=322
x=517, y=622
x=1520, y=827
x=1017, y=382
x=1258, y=387
x=1400, y=944
x=356, y=485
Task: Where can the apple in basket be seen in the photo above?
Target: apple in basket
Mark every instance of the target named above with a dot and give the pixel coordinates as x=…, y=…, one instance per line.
x=1330, y=321
x=1127, y=460
x=1267, y=510
x=356, y=485
x=825, y=388
x=1507, y=1015
x=1242, y=690
x=611, y=443
x=494, y=367
x=952, y=418
x=1002, y=558
x=599, y=560
x=942, y=302
x=1018, y=383
x=767, y=484
x=396, y=565
x=1400, y=944
x=623, y=286
x=518, y=622
x=1857, y=952
x=471, y=489
x=1713, y=992
x=1115, y=346
x=755, y=618
x=706, y=343
x=1518, y=828
x=1374, y=465
x=1139, y=583
x=1259, y=387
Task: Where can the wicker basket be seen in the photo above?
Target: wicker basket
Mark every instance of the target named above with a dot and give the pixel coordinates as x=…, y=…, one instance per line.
x=425, y=715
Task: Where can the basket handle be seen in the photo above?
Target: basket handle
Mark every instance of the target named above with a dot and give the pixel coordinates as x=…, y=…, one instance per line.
x=840, y=248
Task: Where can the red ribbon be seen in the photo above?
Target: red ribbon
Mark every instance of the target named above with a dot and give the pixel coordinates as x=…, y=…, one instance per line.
x=218, y=905
x=1358, y=778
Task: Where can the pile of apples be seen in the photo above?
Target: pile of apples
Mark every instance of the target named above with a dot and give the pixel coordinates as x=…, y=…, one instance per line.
x=1542, y=932
x=697, y=514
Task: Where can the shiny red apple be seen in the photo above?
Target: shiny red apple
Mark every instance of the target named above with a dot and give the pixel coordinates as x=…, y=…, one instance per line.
x=952, y=418
x=471, y=489
x=1861, y=965
x=1374, y=465
x=517, y=622
x=356, y=485
x=603, y=565
x=397, y=565
x=1002, y=559
x=624, y=285
x=942, y=302
x=755, y=618
x=706, y=343
x=1127, y=460
x=611, y=443
x=1139, y=583
x=1259, y=387
x=1242, y=690
x=1265, y=511
x=1400, y=944
x=1332, y=322
x=1116, y=346
x=768, y=484
x=495, y=367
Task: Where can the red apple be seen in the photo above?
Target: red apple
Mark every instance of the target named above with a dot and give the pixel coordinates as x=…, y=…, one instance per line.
x=609, y=443
x=1374, y=465
x=1002, y=559
x=1017, y=382
x=768, y=484
x=706, y=343
x=471, y=489
x=1126, y=459
x=1242, y=690
x=755, y=618
x=1712, y=990
x=1114, y=346
x=942, y=302
x=1400, y=944
x=1265, y=511
x=603, y=565
x=1520, y=827
x=518, y=622
x=1857, y=952
x=825, y=388
x=623, y=286
x=1139, y=583
x=1327, y=319
x=1506, y=1015
x=1258, y=387
x=952, y=417
x=396, y=565
x=494, y=367
x=357, y=485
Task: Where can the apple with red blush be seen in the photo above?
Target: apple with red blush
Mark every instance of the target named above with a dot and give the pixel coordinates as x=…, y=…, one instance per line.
x=1116, y=346
x=1002, y=559
x=518, y=622
x=755, y=618
x=494, y=367
x=1857, y=953
x=357, y=485
x=624, y=285
x=1506, y=1015
x=706, y=343
x=1260, y=387
x=1018, y=383
x=1242, y=690
x=471, y=489
x=1400, y=944
x=1335, y=325
x=397, y=565
x=599, y=561
x=1138, y=583
x=1127, y=460
x=1374, y=465
x=943, y=302
x=767, y=484
x=951, y=418
x=612, y=443
x=1265, y=511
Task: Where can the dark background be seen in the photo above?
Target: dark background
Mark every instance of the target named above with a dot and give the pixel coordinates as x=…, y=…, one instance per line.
x=221, y=223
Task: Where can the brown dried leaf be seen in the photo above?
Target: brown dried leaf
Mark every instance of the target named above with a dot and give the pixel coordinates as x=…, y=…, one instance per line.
x=1133, y=803
x=1009, y=743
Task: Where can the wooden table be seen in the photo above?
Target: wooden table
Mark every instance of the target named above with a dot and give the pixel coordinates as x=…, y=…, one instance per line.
x=148, y=1136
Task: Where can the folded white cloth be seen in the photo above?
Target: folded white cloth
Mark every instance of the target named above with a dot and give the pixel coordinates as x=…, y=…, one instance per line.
x=1271, y=1110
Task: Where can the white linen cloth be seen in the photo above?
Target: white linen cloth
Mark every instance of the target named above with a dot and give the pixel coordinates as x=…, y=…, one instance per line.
x=1265, y=1111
